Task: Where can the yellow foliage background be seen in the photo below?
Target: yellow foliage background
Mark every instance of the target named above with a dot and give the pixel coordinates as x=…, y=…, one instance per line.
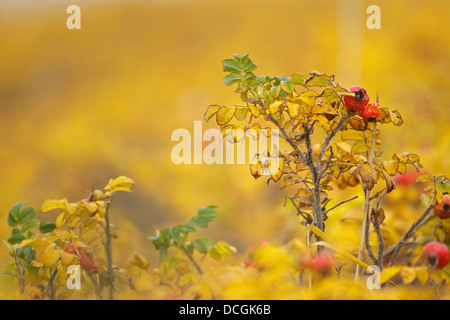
x=80, y=106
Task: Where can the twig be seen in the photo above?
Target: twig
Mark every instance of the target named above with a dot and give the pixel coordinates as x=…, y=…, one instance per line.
x=340, y=203
x=50, y=289
x=415, y=226
x=363, y=228
x=305, y=215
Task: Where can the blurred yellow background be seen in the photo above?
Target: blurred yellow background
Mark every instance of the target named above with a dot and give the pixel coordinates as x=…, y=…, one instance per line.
x=78, y=107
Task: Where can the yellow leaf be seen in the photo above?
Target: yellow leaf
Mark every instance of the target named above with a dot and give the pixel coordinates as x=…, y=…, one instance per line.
x=33, y=243
x=67, y=258
x=225, y=114
x=254, y=110
x=390, y=167
x=60, y=220
x=214, y=253
x=73, y=221
x=121, y=183
x=184, y=280
x=275, y=107
x=359, y=147
x=293, y=109
x=319, y=233
x=140, y=261
x=408, y=274
x=343, y=253
x=350, y=134
x=241, y=113
x=255, y=169
x=306, y=97
x=368, y=176
x=53, y=204
x=389, y=273
x=32, y=293
x=422, y=275
x=90, y=206
x=211, y=111
x=71, y=208
x=51, y=256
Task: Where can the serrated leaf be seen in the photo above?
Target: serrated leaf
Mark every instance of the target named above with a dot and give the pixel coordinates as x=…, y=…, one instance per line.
x=225, y=114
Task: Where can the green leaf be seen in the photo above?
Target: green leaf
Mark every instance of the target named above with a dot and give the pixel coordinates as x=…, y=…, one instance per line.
x=16, y=237
x=28, y=252
x=46, y=227
x=14, y=213
x=175, y=234
x=230, y=65
x=29, y=225
x=25, y=215
x=298, y=79
x=200, y=246
x=287, y=86
x=163, y=252
x=240, y=63
x=232, y=78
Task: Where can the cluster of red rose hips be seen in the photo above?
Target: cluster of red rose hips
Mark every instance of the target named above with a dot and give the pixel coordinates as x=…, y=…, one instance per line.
x=360, y=102
x=87, y=261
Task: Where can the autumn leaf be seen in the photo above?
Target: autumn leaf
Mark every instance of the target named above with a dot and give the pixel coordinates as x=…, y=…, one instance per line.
x=368, y=176
x=121, y=183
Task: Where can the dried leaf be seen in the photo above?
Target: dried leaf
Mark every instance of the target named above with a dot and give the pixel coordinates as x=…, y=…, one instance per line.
x=368, y=176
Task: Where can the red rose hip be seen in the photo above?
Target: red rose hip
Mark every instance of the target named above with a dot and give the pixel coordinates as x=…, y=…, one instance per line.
x=359, y=100
x=437, y=254
x=443, y=209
